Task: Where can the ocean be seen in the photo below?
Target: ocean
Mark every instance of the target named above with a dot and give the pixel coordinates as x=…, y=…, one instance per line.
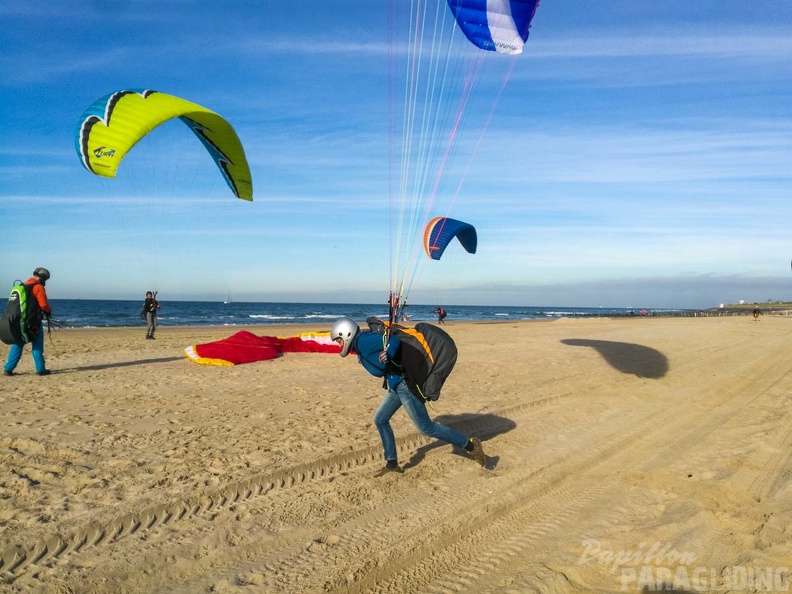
x=90, y=313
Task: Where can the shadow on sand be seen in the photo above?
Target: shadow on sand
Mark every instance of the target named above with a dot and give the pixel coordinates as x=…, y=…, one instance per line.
x=472, y=424
x=626, y=357
x=121, y=364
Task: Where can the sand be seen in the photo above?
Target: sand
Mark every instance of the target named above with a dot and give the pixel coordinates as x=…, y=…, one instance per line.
x=625, y=455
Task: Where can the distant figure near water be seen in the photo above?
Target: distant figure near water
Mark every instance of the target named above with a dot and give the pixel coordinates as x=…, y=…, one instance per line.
x=756, y=313
x=149, y=313
x=441, y=315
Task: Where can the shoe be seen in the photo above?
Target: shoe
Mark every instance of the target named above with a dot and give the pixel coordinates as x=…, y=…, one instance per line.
x=477, y=453
x=388, y=469
x=43, y=372
x=8, y=372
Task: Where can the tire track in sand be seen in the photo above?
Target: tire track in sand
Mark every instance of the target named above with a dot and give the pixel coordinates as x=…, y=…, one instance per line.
x=162, y=515
x=459, y=563
x=18, y=558
x=353, y=561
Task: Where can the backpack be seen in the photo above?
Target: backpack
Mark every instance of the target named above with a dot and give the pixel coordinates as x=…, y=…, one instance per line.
x=426, y=358
x=20, y=323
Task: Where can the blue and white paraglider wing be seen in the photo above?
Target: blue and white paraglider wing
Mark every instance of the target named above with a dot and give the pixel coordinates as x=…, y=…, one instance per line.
x=495, y=25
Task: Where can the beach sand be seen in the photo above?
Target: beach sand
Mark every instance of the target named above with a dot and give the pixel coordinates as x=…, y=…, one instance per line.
x=625, y=454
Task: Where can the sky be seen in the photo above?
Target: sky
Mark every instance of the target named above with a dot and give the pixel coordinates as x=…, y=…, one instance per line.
x=639, y=155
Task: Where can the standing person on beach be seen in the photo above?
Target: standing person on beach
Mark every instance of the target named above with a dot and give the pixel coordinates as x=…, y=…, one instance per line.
x=373, y=354
x=150, y=307
x=756, y=313
x=37, y=282
x=441, y=314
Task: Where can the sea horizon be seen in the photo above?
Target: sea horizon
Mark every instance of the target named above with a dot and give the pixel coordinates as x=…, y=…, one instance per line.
x=86, y=313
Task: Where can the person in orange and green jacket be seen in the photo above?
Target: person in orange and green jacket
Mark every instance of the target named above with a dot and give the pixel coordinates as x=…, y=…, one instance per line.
x=38, y=280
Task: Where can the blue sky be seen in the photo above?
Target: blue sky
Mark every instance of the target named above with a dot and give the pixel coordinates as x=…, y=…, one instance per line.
x=639, y=156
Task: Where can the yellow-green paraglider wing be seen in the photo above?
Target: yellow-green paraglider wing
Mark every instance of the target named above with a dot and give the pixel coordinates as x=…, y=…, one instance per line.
x=112, y=125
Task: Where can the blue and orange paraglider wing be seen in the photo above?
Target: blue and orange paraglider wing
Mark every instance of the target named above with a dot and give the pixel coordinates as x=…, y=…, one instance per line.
x=441, y=230
x=495, y=25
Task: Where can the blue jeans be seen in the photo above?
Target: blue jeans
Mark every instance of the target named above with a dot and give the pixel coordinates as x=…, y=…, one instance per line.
x=401, y=396
x=151, y=323
x=15, y=353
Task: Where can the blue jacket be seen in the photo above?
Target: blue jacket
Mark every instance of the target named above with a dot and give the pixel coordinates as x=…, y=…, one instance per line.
x=368, y=346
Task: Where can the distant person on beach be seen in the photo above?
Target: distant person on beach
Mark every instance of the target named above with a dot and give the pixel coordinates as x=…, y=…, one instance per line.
x=404, y=316
x=441, y=314
x=150, y=307
x=37, y=281
x=375, y=356
x=756, y=313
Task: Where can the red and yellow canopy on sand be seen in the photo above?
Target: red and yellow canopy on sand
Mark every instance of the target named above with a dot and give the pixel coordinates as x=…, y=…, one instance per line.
x=246, y=347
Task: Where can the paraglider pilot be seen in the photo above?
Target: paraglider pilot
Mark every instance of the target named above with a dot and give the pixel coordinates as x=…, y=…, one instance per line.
x=150, y=307
x=373, y=355
x=37, y=281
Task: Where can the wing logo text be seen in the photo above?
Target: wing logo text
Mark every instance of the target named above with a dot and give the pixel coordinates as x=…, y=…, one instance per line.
x=103, y=151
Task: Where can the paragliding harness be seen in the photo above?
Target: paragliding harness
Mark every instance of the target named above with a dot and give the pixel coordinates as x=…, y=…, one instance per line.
x=20, y=323
x=426, y=357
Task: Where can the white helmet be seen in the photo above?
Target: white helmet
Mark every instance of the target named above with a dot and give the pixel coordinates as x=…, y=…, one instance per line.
x=346, y=329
